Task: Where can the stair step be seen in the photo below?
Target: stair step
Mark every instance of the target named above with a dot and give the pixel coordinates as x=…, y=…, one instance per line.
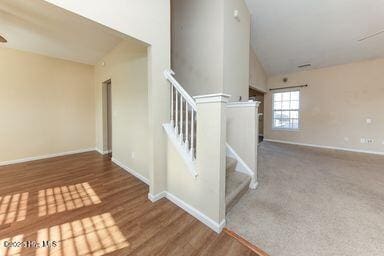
x=231, y=165
x=237, y=184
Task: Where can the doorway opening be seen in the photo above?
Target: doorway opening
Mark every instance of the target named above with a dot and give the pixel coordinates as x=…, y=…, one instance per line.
x=258, y=95
x=107, y=117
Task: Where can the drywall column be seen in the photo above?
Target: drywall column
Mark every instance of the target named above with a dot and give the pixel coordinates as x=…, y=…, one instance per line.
x=242, y=136
x=210, y=152
x=159, y=112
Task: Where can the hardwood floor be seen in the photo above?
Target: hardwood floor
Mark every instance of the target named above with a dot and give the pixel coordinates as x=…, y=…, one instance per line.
x=90, y=206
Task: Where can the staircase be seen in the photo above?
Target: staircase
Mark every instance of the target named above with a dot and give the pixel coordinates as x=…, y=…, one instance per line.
x=236, y=184
x=183, y=130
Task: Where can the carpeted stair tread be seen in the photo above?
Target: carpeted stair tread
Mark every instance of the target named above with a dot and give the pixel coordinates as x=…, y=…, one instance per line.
x=231, y=165
x=237, y=184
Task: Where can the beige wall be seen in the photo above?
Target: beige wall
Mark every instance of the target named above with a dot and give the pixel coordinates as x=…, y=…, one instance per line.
x=236, y=50
x=242, y=132
x=206, y=192
x=210, y=48
x=148, y=21
x=126, y=67
x=46, y=105
x=257, y=75
x=197, y=45
x=335, y=106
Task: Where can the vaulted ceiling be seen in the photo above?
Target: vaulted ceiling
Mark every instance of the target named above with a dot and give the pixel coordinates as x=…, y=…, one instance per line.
x=286, y=34
x=39, y=27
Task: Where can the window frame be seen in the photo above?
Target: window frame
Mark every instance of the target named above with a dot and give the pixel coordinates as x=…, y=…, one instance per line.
x=298, y=110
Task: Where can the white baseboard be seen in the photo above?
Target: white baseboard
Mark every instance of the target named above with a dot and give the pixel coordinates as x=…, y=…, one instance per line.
x=327, y=147
x=154, y=198
x=131, y=171
x=217, y=227
x=103, y=152
x=254, y=185
x=34, y=158
x=242, y=166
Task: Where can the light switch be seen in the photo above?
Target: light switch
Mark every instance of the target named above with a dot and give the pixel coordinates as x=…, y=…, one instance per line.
x=368, y=120
x=236, y=15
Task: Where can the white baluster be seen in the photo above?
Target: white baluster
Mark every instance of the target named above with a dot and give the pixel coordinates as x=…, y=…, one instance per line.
x=172, y=99
x=177, y=116
x=192, y=134
x=180, y=127
x=181, y=118
x=186, y=126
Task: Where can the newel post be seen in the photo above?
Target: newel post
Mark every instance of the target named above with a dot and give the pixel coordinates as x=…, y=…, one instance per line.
x=211, y=152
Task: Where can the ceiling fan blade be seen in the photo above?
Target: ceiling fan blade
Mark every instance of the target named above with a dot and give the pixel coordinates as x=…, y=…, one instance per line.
x=370, y=36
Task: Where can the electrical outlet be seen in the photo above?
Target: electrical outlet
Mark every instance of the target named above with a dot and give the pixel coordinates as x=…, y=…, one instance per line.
x=363, y=140
x=370, y=141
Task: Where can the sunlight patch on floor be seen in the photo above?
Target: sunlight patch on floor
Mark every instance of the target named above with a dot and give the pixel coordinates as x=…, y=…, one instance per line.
x=10, y=251
x=93, y=236
x=13, y=208
x=60, y=199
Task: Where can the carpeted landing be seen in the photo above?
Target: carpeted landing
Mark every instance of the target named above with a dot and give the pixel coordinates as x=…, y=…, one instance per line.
x=313, y=202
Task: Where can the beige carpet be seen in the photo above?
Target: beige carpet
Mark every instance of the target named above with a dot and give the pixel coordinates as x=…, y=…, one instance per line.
x=314, y=202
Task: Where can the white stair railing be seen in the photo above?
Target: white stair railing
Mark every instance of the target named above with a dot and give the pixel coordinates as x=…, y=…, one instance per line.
x=183, y=115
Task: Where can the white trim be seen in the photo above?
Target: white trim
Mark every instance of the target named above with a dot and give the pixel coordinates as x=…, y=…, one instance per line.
x=212, y=98
x=287, y=129
x=34, y=158
x=157, y=197
x=217, y=227
x=168, y=74
x=326, y=147
x=243, y=104
x=103, y=152
x=134, y=173
x=261, y=90
x=191, y=165
x=242, y=166
x=298, y=110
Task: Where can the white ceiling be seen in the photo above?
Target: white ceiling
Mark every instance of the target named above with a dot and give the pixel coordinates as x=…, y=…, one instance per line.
x=39, y=27
x=286, y=34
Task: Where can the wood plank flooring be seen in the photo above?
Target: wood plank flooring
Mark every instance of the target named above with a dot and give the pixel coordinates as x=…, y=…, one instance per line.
x=90, y=206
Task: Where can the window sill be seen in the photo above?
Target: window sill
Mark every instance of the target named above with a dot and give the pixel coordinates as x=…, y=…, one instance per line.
x=285, y=130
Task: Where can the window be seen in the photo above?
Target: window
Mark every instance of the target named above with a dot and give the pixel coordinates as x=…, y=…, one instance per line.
x=286, y=107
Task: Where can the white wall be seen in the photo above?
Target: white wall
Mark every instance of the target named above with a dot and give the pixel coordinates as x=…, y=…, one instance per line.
x=335, y=106
x=206, y=192
x=197, y=45
x=126, y=67
x=148, y=21
x=242, y=132
x=257, y=76
x=236, y=50
x=210, y=47
x=46, y=105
